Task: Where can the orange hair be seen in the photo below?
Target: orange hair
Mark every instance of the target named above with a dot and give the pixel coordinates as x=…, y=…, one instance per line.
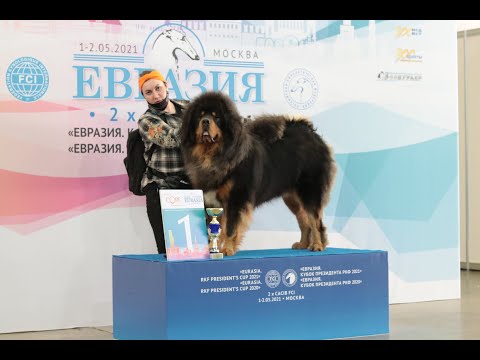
x=152, y=75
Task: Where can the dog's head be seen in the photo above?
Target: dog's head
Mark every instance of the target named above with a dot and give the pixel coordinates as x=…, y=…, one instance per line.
x=211, y=119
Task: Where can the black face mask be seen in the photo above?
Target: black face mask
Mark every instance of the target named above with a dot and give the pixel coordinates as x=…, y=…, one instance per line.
x=162, y=104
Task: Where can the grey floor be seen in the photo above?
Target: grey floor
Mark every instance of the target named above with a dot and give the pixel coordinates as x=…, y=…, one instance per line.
x=437, y=320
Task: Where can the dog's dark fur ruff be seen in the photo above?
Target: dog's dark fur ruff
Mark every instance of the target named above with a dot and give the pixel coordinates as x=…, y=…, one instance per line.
x=247, y=163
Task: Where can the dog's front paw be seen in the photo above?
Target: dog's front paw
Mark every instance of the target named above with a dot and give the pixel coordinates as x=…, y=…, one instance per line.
x=317, y=247
x=228, y=251
x=299, y=245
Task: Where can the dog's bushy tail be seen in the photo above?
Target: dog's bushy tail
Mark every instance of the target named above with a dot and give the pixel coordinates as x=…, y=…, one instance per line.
x=330, y=175
x=269, y=128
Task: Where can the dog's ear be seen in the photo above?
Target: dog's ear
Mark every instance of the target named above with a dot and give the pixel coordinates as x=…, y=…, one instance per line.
x=231, y=118
x=187, y=136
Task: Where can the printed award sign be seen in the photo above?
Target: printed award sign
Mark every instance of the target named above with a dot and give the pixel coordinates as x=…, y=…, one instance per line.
x=184, y=224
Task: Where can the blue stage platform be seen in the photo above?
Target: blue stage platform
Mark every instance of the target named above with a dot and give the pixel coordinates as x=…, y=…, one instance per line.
x=256, y=294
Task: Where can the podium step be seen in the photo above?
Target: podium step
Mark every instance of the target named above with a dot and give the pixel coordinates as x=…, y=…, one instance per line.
x=256, y=294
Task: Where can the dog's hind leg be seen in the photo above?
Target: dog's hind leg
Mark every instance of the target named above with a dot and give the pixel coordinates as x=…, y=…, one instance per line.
x=234, y=225
x=322, y=229
x=295, y=205
x=312, y=220
x=318, y=238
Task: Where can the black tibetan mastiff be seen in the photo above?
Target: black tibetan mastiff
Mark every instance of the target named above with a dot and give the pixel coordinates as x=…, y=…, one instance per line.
x=249, y=162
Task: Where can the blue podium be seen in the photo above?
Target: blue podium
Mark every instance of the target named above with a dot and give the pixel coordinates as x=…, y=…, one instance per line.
x=256, y=294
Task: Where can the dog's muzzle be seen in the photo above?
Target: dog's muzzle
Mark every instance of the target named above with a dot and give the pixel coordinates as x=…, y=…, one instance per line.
x=206, y=137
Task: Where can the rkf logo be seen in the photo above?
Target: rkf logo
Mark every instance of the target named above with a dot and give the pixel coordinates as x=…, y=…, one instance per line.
x=173, y=200
x=289, y=277
x=27, y=79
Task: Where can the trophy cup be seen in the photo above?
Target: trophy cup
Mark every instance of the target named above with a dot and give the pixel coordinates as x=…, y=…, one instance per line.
x=214, y=232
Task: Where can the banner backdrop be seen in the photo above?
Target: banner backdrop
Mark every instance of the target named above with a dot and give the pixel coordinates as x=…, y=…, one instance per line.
x=382, y=93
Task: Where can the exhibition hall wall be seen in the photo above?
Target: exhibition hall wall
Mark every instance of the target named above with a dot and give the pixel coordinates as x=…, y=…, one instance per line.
x=382, y=93
x=469, y=112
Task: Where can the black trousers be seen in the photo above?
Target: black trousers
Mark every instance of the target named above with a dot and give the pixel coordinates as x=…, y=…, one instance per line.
x=154, y=212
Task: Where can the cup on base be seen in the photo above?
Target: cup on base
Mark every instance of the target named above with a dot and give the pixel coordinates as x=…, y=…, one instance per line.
x=214, y=232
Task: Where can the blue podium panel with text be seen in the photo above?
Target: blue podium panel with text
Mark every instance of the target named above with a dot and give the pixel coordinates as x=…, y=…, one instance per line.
x=256, y=294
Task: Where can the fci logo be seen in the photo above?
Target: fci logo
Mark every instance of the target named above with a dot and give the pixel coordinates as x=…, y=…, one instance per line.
x=27, y=79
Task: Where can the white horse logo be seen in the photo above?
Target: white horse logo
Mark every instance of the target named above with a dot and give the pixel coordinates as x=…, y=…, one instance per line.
x=168, y=42
x=290, y=278
x=301, y=90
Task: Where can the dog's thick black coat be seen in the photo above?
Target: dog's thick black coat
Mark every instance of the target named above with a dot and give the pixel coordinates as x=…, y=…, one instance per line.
x=249, y=162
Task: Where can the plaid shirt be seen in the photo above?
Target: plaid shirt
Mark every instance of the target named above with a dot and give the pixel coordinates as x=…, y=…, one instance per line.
x=161, y=128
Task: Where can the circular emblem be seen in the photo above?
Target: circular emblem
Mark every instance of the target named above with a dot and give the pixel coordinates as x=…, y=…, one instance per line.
x=27, y=79
x=289, y=277
x=300, y=89
x=272, y=278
